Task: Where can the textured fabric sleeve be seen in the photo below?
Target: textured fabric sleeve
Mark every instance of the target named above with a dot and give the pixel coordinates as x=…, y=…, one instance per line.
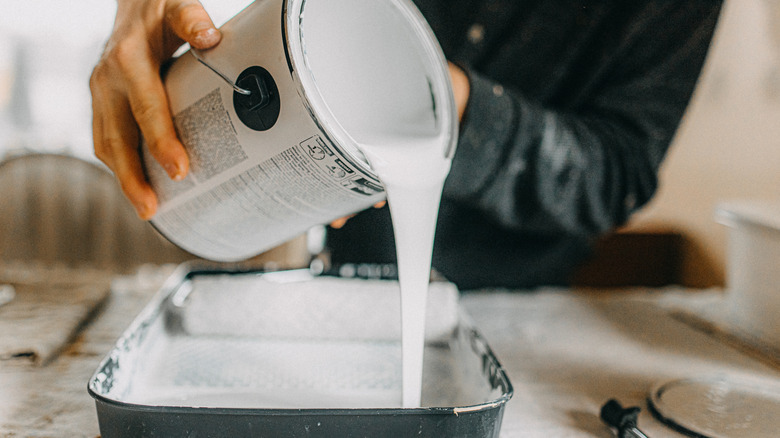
x=584, y=169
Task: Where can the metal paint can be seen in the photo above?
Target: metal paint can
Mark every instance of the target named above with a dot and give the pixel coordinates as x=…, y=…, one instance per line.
x=322, y=74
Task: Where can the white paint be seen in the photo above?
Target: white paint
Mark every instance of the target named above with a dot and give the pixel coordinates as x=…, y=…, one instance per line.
x=413, y=171
x=380, y=85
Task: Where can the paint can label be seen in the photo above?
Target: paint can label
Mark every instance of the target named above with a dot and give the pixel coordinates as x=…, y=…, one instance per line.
x=265, y=168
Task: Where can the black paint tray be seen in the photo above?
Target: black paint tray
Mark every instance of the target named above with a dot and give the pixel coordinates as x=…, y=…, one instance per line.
x=235, y=353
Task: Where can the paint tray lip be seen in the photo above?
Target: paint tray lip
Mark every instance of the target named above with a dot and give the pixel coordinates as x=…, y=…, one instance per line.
x=155, y=309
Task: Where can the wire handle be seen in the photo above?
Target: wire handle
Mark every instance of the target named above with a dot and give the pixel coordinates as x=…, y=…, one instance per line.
x=235, y=87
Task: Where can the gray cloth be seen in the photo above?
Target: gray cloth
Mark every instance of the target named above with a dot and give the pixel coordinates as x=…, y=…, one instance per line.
x=572, y=108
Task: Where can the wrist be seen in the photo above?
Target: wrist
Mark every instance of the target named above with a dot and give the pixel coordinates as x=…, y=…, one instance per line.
x=460, y=88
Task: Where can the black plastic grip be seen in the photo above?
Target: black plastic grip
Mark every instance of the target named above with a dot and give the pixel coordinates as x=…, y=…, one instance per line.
x=259, y=110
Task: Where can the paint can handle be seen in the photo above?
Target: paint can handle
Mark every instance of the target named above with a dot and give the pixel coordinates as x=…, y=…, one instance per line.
x=236, y=88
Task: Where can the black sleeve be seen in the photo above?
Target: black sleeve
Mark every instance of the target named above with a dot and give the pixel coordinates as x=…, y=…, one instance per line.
x=584, y=169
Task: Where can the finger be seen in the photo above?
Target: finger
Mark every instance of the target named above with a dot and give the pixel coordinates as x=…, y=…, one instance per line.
x=192, y=23
x=100, y=107
x=380, y=204
x=97, y=130
x=128, y=169
x=117, y=136
x=338, y=223
x=149, y=105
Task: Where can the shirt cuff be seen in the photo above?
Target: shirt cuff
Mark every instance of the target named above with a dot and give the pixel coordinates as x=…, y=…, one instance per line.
x=484, y=131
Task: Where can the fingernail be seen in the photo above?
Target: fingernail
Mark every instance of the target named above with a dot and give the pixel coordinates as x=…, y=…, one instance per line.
x=204, y=34
x=144, y=211
x=201, y=26
x=174, y=172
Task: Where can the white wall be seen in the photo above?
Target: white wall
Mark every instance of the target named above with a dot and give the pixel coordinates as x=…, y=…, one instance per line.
x=729, y=144
x=47, y=51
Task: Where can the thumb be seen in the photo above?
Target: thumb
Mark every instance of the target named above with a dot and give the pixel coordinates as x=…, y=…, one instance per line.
x=190, y=22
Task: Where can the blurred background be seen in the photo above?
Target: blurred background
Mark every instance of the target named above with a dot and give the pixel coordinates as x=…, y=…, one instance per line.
x=727, y=148
x=47, y=51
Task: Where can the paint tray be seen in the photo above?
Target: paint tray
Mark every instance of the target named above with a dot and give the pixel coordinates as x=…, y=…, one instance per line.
x=221, y=353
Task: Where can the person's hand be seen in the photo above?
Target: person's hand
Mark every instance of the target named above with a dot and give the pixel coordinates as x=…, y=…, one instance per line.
x=128, y=94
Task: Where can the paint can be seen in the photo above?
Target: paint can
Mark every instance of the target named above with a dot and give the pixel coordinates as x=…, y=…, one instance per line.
x=323, y=76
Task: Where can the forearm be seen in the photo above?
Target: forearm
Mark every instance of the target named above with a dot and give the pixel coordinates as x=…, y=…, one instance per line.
x=539, y=169
x=583, y=162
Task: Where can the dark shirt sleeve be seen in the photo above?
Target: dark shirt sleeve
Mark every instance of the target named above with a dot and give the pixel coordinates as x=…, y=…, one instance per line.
x=584, y=168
